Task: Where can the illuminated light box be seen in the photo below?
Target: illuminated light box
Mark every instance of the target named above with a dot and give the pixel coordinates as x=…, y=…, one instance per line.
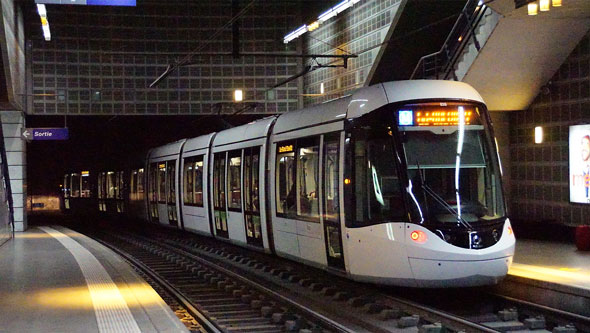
x=406, y=118
x=286, y=149
x=579, y=163
x=89, y=2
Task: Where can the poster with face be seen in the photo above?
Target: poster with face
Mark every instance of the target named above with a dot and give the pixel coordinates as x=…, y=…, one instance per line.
x=579, y=150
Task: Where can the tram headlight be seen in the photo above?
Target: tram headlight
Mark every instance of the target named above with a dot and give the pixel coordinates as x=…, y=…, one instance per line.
x=418, y=236
x=496, y=234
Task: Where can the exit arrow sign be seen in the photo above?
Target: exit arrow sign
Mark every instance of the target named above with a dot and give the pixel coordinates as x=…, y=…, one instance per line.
x=45, y=134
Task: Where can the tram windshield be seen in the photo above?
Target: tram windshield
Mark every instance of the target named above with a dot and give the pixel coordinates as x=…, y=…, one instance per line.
x=452, y=165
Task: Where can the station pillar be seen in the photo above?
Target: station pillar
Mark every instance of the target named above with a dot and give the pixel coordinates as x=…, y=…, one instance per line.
x=12, y=124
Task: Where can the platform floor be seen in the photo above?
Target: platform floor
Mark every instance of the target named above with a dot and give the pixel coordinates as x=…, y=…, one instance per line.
x=55, y=280
x=551, y=262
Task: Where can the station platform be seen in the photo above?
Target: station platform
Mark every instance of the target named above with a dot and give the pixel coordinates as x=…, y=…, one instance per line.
x=550, y=273
x=53, y=279
x=559, y=263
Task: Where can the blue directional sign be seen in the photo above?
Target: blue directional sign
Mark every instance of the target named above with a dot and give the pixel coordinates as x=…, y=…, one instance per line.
x=34, y=134
x=89, y=2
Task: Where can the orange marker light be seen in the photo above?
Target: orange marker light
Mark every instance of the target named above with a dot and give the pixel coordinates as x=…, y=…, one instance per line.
x=418, y=237
x=510, y=232
x=347, y=181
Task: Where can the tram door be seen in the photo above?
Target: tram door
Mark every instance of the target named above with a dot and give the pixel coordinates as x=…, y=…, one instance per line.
x=331, y=201
x=219, y=211
x=251, y=199
x=153, y=192
x=171, y=192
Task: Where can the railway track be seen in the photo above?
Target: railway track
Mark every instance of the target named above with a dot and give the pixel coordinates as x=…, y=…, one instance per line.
x=242, y=290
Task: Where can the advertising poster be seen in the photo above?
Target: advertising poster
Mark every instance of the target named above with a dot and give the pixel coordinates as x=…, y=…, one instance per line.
x=579, y=163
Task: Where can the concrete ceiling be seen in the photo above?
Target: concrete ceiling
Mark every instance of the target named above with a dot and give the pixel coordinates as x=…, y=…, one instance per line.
x=524, y=52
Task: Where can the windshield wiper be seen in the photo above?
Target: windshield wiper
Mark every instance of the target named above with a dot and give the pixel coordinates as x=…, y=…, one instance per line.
x=427, y=189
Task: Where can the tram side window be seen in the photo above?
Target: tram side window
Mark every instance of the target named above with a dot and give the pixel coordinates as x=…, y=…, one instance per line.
x=85, y=185
x=66, y=187
x=161, y=182
x=75, y=184
x=377, y=187
x=133, y=185
x=234, y=180
x=120, y=185
x=170, y=174
x=139, y=189
x=111, y=185
x=219, y=181
x=331, y=180
x=297, y=174
x=193, y=181
x=101, y=184
x=285, y=179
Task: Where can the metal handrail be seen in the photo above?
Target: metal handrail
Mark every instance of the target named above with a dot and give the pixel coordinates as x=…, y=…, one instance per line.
x=440, y=64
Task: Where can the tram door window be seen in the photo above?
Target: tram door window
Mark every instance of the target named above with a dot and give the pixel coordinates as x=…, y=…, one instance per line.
x=251, y=192
x=139, y=188
x=234, y=188
x=66, y=190
x=219, y=195
x=133, y=186
x=152, y=190
x=75, y=184
x=308, y=157
x=85, y=185
x=120, y=192
x=331, y=201
x=66, y=186
x=102, y=179
x=171, y=192
x=161, y=182
x=111, y=185
x=188, y=175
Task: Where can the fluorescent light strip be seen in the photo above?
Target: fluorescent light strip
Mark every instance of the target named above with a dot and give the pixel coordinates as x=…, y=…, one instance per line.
x=44, y=21
x=332, y=12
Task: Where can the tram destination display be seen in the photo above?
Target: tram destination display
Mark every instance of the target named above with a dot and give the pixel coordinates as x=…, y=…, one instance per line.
x=579, y=163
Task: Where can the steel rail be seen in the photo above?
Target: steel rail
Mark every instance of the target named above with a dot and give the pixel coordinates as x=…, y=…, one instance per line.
x=446, y=319
x=559, y=315
x=329, y=323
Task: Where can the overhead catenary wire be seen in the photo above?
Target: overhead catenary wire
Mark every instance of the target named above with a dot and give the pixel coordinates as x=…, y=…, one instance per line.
x=186, y=60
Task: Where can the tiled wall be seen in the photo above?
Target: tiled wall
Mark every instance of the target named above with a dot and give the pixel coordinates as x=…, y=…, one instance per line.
x=360, y=31
x=539, y=182
x=102, y=59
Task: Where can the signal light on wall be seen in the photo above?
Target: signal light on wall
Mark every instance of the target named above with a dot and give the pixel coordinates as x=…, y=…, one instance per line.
x=238, y=95
x=418, y=236
x=538, y=134
x=533, y=8
x=543, y=5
